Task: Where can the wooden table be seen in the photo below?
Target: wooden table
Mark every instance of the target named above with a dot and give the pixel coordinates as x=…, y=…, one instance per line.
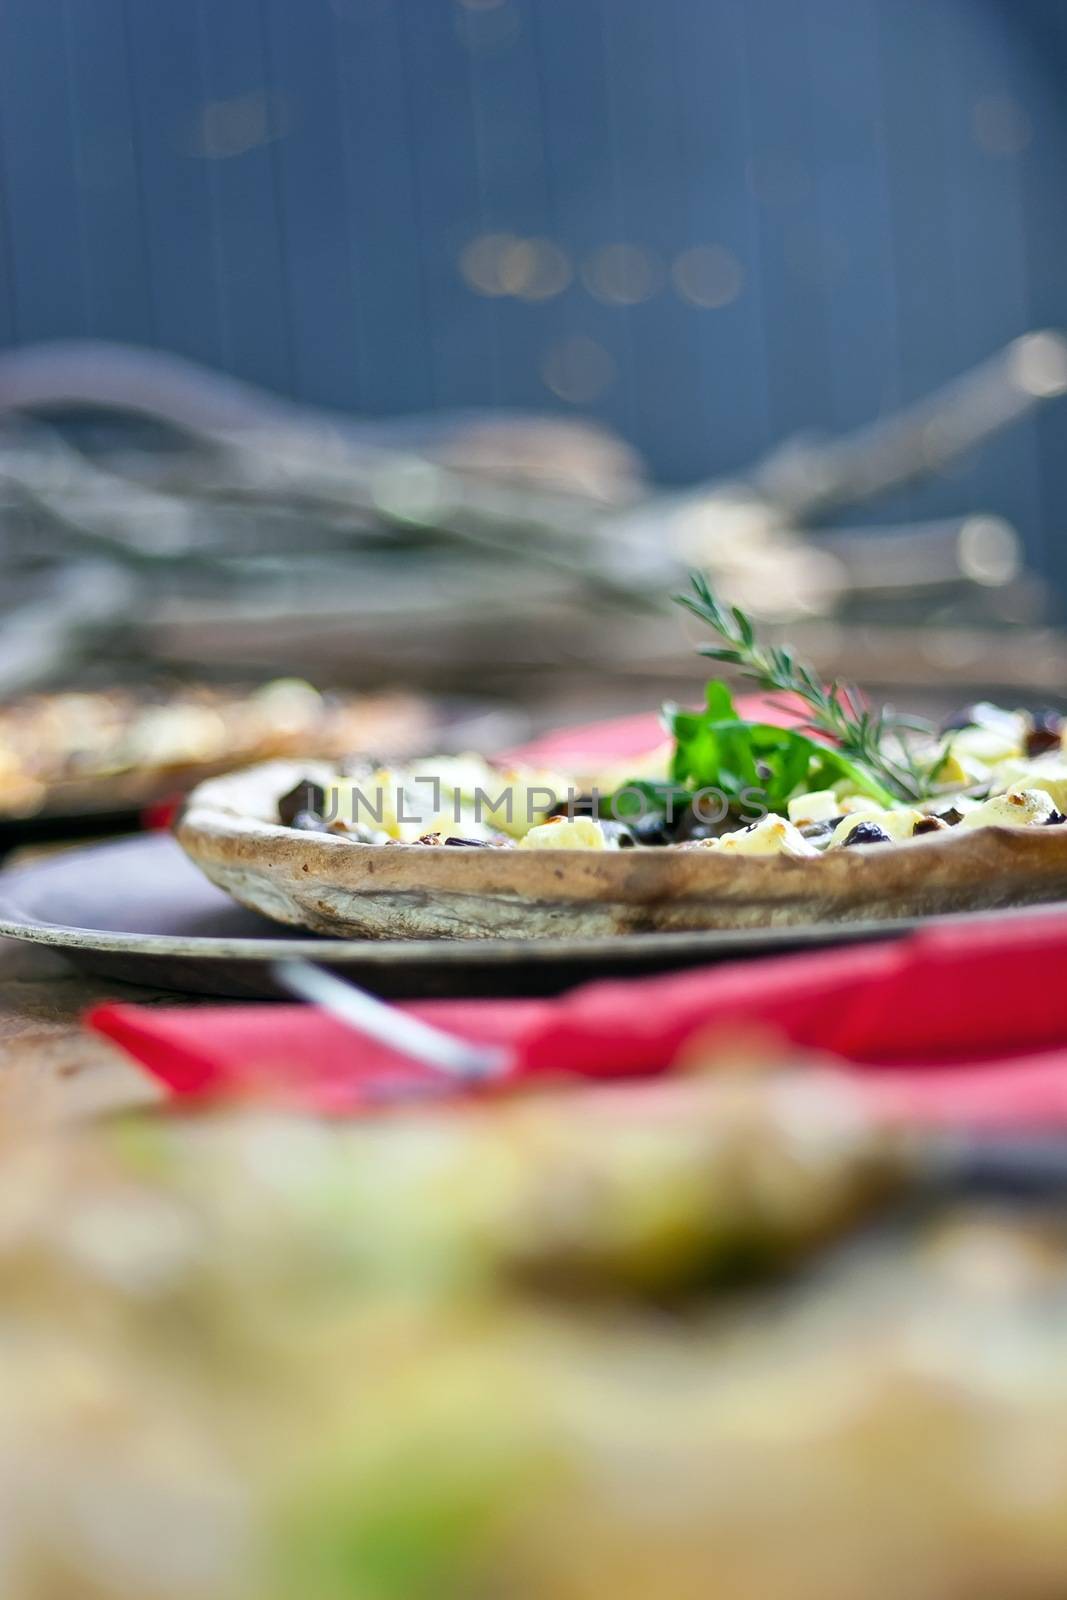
x=49, y=1064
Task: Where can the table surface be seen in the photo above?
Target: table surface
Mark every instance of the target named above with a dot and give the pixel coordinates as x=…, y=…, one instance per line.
x=49, y=1064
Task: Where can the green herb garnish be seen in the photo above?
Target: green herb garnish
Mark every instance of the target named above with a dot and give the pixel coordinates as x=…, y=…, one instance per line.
x=755, y=762
x=874, y=740
x=752, y=767
x=758, y=766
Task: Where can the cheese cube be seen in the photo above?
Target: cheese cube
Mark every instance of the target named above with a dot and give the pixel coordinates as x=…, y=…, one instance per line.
x=819, y=806
x=1019, y=808
x=770, y=836
x=565, y=833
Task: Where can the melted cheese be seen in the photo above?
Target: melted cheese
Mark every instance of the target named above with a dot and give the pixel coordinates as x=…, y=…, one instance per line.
x=565, y=833
x=1019, y=808
x=1048, y=774
x=770, y=836
x=898, y=825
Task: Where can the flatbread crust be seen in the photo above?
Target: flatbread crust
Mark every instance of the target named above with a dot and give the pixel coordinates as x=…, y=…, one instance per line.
x=410, y=891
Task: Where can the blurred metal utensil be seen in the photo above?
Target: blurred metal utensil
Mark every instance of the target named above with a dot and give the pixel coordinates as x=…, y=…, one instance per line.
x=362, y=1012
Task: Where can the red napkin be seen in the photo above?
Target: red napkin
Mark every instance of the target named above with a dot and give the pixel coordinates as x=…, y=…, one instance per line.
x=619, y=738
x=591, y=742
x=295, y=1054
x=962, y=1023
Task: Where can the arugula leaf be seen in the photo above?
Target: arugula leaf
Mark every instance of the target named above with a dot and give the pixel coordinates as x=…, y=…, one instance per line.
x=733, y=755
x=749, y=763
x=645, y=797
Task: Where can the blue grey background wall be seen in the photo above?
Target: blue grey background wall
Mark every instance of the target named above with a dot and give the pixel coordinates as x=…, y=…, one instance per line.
x=710, y=222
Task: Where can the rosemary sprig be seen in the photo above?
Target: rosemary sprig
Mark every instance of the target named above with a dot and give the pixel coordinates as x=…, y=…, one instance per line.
x=874, y=738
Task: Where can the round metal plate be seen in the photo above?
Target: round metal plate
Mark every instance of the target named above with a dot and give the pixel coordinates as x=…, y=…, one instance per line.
x=137, y=909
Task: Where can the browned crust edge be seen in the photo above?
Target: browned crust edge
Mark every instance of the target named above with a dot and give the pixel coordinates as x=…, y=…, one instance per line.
x=336, y=886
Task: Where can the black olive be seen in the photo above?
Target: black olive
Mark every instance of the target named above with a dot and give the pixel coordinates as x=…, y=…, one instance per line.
x=650, y=829
x=815, y=830
x=305, y=796
x=619, y=833
x=1054, y=821
x=691, y=825
x=479, y=844
x=928, y=825
x=867, y=833
x=951, y=816
x=582, y=805
x=1044, y=732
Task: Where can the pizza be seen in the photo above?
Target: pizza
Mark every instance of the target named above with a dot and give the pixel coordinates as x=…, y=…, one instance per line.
x=88, y=751
x=833, y=812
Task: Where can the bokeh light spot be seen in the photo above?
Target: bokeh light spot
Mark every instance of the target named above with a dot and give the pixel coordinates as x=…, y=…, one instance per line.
x=988, y=551
x=622, y=274
x=708, y=275
x=1039, y=364
x=578, y=369
x=499, y=264
x=534, y=269
x=481, y=262
x=226, y=128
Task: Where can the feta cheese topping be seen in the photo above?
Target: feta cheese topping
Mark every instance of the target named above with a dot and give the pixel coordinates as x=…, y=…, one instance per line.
x=1017, y=808
x=1045, y=773
x=565, y=833
x=819, y=806
x=770, y=836
x=444, y=794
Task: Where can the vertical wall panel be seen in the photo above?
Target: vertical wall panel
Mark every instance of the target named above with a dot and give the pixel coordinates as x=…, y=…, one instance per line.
x=317, y=230
x=920, y=186
x=285, y=189
x=186, y=283
x=114, y=259
x=7, y=288
x=988, y=139
x=580, y=161
x=717, y=145
x=514, y=192
x=851, y=200
x=779, y=172
x=670, y=413
x=379, y=197
x=463, y=354
x=1043, y=49
x=43, y=203
x=235, y=133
